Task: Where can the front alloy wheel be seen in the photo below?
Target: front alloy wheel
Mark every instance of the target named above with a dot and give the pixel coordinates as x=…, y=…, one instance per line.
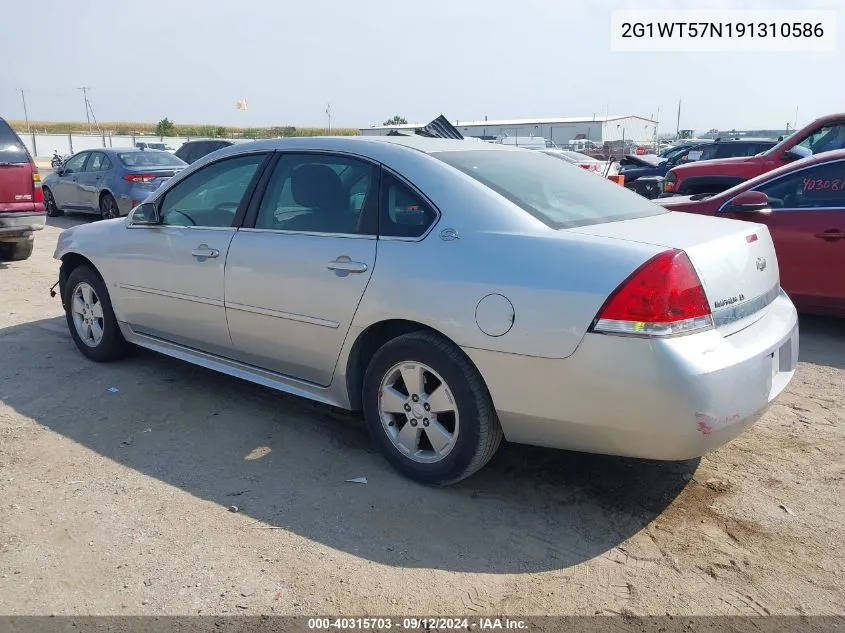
x=87, y=312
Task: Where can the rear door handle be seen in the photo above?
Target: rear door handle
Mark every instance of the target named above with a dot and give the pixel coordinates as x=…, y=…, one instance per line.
x=204, y=252
x=831, y=235
x=345, y=264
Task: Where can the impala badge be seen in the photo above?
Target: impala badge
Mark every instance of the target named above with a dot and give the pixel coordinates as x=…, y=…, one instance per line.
x=761, y=264
x=448, y=235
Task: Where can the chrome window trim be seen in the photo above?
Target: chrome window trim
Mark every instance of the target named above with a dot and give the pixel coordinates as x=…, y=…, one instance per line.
x=732, y=314
x=348, y=236
x=791, y=173
x=232, y=229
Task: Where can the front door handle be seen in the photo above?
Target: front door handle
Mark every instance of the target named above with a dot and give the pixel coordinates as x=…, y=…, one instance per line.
x=204, y=252
x=831, y=235
x=345, y=264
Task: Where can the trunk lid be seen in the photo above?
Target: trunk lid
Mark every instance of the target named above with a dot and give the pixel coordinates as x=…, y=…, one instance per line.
x=162, y=175
x=16, y=188
x=735, y=260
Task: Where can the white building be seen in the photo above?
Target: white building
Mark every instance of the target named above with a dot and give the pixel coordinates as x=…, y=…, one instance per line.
x=559, y=131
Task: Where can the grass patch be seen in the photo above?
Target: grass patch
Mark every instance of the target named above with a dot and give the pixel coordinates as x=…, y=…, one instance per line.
x=213, y=131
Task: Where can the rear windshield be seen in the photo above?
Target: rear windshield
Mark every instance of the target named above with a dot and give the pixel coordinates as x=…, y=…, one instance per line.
x=11, y=148
x=557, y=193
x=149, y=158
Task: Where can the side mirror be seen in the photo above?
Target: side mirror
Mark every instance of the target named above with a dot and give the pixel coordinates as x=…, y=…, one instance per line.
x=144, y=215
x=749, y=202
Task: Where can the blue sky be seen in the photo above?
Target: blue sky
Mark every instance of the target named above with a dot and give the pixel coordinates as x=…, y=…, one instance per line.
x=190, y=60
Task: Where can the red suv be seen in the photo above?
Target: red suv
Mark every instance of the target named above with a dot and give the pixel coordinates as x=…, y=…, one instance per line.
x=713, y=176
x=21, y=199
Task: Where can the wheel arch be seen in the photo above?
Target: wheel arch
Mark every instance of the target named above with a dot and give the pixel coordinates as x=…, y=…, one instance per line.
x=369, y=341
x=70, y=262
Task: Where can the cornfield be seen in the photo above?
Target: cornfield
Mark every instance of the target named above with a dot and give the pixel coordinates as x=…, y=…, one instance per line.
x=217, y=131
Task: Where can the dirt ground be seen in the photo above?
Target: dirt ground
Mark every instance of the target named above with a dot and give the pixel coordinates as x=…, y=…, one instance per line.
x=119, y=502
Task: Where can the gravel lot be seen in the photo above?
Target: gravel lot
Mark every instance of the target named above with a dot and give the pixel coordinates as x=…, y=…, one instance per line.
x=119, y=502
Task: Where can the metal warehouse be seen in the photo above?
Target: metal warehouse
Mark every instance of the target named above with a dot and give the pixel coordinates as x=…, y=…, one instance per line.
x=559, y=131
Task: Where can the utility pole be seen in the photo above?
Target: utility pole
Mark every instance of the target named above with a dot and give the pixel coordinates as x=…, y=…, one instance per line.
x=85, y=90
x=329, y=115
x=25, y=113
x=678, y=131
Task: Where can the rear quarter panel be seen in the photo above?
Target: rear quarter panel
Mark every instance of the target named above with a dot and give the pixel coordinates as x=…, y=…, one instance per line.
x=556, y=284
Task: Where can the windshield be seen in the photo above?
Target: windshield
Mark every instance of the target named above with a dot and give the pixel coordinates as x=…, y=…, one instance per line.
x=150, y=158
x=558, y=194
x=823, y=139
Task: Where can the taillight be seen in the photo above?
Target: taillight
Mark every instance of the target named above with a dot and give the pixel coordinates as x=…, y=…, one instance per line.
x=662, y=297
x=140, y=177
x=37, y=192
x=669, y=182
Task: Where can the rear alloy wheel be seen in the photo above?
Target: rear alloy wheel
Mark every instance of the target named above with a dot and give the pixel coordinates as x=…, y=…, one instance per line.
x=50, y=204
x=108, y=207
x=429, y=410
x=90, y=317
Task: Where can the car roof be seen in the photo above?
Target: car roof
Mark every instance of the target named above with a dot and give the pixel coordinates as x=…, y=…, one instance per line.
x=353, y=143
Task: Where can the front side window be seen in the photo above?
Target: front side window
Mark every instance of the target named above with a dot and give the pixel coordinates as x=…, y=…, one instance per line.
x=557, y=194
x=211, y=196
x=825, y=139
x=403, y=212
x=822, y=186
x=320, y=194
x=96, y=162
x=75, y=164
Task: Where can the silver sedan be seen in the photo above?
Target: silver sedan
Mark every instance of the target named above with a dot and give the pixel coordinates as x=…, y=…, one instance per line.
x=456, y=292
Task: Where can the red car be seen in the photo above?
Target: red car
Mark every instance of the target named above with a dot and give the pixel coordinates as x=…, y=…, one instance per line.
x=21, y=198
x=803, y=204
x=712, y=176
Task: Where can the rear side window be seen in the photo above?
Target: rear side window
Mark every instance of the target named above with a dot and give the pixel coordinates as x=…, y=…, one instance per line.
x=12, y=149
x=403, y=212
x=558, y=194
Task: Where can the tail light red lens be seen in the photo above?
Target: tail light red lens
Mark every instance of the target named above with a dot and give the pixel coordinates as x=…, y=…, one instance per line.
x=662, y=297
x=37, y=192
x=140, y=177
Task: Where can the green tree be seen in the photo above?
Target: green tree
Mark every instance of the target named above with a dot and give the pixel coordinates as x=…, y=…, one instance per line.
x=396, y=120
x=220, y=131
x=165, y=127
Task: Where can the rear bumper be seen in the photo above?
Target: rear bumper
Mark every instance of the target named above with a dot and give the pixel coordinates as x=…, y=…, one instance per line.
x=18, y=224
x=128, y=200
x=668, y=399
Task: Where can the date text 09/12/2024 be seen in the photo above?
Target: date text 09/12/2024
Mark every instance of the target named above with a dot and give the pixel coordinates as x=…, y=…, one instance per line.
x=416, y=624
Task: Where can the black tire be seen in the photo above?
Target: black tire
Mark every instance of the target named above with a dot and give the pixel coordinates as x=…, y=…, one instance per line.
x=50, y=206
x=108, y=207
x=16, y=251
x=480, y=433
x=112, y=345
